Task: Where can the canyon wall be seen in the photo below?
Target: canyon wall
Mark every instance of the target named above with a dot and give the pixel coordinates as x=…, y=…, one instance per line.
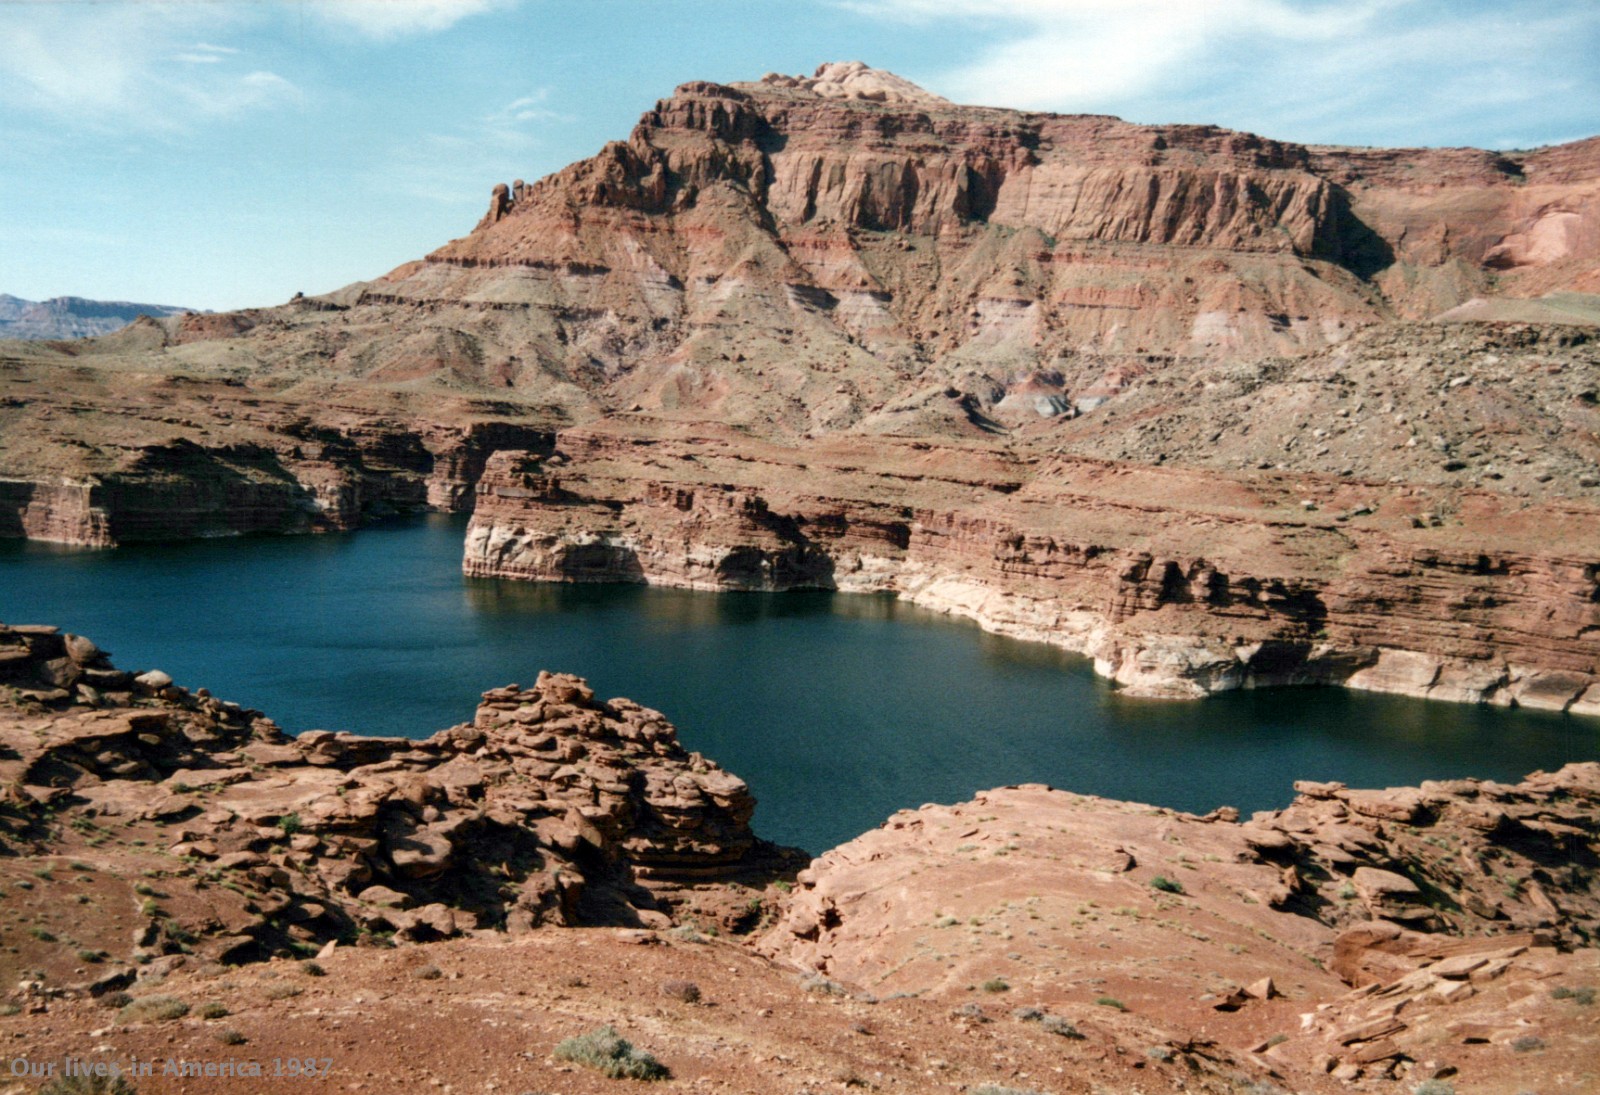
x=296, y=473
x=1179, y=600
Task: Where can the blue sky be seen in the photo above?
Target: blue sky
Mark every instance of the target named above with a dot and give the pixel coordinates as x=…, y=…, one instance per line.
x=224, y=154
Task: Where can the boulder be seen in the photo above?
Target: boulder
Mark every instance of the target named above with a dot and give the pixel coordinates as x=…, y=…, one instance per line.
x=420, y=852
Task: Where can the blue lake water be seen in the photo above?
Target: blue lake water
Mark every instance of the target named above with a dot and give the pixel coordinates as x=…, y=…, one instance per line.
x=837, y=709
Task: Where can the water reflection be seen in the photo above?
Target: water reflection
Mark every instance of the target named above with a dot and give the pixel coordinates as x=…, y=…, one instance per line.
x=677, y=608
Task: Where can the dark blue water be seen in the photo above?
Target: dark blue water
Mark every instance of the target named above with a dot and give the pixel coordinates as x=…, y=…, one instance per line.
x=837, y=709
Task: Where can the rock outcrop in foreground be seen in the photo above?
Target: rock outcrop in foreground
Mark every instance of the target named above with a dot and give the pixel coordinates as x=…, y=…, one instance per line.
x=550, y=807
x=1411, y=933
x=171, y=855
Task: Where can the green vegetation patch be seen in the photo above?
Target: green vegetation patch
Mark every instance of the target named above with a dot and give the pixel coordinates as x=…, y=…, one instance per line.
x=608, y=1052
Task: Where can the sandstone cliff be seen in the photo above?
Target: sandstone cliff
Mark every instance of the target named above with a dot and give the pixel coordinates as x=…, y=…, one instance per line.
x=1176, y=585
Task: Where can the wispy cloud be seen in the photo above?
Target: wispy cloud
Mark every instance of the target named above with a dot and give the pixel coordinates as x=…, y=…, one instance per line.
x=528, y=108
x=99, y=66
x=388, y=19
x=1325, y=69
x=459, y=167
x=203, y=53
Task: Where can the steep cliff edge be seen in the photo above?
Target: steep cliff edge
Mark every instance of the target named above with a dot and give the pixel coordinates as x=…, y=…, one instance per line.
x=825, y=254
x=1176, y=583
x=93, y=461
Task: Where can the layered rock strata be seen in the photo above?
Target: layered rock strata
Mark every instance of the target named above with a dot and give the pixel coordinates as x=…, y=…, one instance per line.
x=1215, y=586
x=830, y=253
x=209, y=464
x=550, y=807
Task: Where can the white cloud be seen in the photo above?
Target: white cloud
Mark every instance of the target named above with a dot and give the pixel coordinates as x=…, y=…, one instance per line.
x=1400, y=70
x=388, y=19
x=203, y=53
x=113, y=66
x=529, y=108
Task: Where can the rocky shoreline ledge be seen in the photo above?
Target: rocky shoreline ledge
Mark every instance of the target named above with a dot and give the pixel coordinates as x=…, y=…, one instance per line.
x=158, y=841
x=1219, y=585
x=549, y=807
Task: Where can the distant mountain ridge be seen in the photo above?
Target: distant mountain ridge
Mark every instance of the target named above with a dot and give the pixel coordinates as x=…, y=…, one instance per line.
x=72, y=317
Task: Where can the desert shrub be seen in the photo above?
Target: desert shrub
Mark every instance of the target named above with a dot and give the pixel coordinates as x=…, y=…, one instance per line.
x=1166, y=885
x=283, y=992
x=818, y=983
x=88, y=1085
x=970, y=1011
x=1111, y=1002
x=289, y=824
x=1584, y=996
x=687, y=991
x=229, y=1036
x=1028, y=1015
x=1055, y=1024
x=1527, y=1044
x=153, y=1009
x=117, y=999
x=996, y=984
x=312, y=969
x=212, y=1010
x=608, y=1052
x=430, y=972
x=1434, y=1087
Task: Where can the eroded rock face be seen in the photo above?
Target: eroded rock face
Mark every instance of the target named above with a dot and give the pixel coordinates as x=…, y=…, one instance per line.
x=1462, y=858
x=297, y=472
x=550, y=807
x=1212, y=598
x=143, y=824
